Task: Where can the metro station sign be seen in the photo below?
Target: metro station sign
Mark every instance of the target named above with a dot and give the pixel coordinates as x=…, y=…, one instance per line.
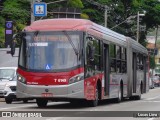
x=8, y=33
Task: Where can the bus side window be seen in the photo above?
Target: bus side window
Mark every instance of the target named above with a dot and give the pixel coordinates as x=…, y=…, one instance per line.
x=140, y=62
x=93, y=54
x=113, y=65
x=112, y=55
x=118, y=59
x=124, y=67
x=90, y=53
x=124, y=61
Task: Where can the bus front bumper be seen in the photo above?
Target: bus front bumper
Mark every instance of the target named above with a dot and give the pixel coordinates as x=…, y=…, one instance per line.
x=75, y=90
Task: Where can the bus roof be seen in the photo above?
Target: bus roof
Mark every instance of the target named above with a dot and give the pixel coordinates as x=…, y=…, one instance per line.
x=70, y=24
x=58, y=24
x=136, y=46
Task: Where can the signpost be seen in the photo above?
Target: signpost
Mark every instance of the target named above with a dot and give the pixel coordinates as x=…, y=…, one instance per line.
x=40, y=9
x=8, y=33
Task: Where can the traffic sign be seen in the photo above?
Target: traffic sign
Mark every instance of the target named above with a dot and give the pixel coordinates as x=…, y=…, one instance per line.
x=40, y=9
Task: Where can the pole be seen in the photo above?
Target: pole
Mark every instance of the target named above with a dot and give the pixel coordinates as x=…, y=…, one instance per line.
x=138, y=26
x=56, y=1
x=155, y=45
x=105, y=16
x=32, y=16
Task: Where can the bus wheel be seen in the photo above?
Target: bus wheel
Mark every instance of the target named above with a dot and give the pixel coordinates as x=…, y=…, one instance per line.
x=94, y=103
x=120, y=94
x=25, y=101
x=8, y=100
x=41, y=102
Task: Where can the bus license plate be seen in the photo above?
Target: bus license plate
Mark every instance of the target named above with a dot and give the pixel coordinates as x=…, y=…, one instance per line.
x=47, y=94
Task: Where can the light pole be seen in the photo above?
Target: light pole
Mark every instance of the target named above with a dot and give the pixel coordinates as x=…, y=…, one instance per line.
x=105, y=15
x=32, y=16
x=138, y=24
x=56, y=1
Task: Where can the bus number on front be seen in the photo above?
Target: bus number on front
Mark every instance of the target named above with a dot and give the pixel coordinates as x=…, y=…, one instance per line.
x=60, y=80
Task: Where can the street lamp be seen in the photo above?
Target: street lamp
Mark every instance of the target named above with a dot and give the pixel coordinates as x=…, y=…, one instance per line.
x=138, y=15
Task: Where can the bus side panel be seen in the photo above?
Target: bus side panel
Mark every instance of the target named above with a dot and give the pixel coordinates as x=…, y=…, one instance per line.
x=115, y=80
x=140, y=78
x=90, y=86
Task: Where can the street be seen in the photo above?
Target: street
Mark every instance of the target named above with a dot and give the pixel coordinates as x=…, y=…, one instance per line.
x=149, y=102
x=7, y=60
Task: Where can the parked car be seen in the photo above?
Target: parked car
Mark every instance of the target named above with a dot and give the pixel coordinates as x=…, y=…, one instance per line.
x=151, y=83
x=156, y=80
x=7, y=74
x=8, y=83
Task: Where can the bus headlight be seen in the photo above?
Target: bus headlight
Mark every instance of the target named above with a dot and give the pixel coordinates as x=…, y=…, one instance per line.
x=21, y=79
x=76, y=78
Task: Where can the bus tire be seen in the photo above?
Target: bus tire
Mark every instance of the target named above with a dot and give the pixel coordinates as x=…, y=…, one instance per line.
x=94, y=103
x=8, y=100
x=41, y=102
x=137, y=97
x=25, y=101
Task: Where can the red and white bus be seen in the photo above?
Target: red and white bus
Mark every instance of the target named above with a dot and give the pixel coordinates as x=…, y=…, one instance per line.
x=76, y=59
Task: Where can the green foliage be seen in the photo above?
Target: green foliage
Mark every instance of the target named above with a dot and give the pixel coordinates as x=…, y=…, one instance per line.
x=75, y=3
x=20, y=27
x=1, y=37
x=84, y=16
x=17, y=11
x=152, y=8
x=152, y=62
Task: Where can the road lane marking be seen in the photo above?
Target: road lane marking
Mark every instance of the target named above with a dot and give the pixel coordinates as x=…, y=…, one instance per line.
x=148, y=101
x=51, y=103
x=151, y=118
x=153, y=98
x=55, y=118
x=16, y=107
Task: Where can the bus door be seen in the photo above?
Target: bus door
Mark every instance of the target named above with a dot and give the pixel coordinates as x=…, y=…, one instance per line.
x=134, y=66
x=145, y=67
x=106, y=69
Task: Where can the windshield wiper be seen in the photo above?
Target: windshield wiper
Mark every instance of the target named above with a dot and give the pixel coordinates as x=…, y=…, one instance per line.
x=71, y=42
x=29, y=49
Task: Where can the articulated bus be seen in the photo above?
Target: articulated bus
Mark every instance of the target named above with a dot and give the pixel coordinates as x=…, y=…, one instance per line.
x=76, y=59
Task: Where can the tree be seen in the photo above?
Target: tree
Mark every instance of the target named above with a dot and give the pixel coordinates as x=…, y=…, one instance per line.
x=152, y=8
x=152, y=62
x=17, y=11
x=75, y=3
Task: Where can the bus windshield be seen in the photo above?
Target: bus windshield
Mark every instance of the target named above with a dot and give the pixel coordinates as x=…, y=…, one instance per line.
x=50, y=50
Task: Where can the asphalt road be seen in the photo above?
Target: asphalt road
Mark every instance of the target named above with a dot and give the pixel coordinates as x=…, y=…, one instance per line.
x=6, y=60
x=128, y=110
